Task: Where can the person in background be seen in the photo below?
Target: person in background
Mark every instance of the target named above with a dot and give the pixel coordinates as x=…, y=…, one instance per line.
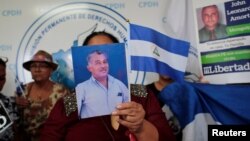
x=9, y=104
x=140, y=119
x=39, y=95
x=156, y=87
x=212, y=29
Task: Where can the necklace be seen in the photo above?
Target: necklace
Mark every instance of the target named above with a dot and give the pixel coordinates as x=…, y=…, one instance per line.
x=38, y=93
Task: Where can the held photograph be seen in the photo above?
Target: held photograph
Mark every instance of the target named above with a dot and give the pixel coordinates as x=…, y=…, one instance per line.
x=101, y=78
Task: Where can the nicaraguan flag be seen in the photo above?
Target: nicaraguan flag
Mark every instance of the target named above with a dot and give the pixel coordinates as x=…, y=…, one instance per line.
x=179, y=23
x=153, y=51
x=197, y=105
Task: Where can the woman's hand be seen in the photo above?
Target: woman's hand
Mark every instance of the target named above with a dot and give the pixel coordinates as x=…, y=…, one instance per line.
x=22, y=102
x=131, y=115
x=203, y=80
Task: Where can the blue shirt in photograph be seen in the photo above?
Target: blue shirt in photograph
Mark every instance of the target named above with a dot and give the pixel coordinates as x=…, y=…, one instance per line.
x=94, y=99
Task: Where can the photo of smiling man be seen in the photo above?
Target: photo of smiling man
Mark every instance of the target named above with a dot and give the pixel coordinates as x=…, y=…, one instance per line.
x=102, y=92
x=213, y=29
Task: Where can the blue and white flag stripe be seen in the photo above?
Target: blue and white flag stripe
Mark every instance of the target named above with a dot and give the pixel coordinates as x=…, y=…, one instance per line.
x=153, y=65
x=155, y=52
x=197, y=105
x=146, y=49
x=172, y=45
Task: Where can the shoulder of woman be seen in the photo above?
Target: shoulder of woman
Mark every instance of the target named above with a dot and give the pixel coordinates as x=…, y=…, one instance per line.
x=70, y=103
x=138, y=90
x=61, y=87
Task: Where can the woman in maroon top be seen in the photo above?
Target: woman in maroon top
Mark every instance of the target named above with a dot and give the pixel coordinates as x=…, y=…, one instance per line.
x=141, y=119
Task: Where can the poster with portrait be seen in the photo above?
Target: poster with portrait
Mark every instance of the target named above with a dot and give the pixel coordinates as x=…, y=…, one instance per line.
x=5, y=120
x=223, y=40
x=101, y=77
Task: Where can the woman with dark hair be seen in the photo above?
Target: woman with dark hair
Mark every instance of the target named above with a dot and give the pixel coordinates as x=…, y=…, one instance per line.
x=140, y=119
x=102, y=37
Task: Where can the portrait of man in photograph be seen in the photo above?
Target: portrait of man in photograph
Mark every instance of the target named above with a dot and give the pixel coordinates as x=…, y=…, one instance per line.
x=102, y=89
x=212, y=28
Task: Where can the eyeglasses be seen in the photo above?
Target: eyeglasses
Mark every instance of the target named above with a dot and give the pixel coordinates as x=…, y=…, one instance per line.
x=39, y=66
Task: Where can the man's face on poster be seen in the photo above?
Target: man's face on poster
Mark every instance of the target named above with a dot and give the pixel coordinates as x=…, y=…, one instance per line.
x=98, y=66
x=210, y=17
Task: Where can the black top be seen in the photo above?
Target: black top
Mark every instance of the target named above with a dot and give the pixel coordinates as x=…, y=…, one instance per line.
x=151, y=87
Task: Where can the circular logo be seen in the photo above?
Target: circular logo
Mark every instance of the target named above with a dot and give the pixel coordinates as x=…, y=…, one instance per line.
x=62, y=27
